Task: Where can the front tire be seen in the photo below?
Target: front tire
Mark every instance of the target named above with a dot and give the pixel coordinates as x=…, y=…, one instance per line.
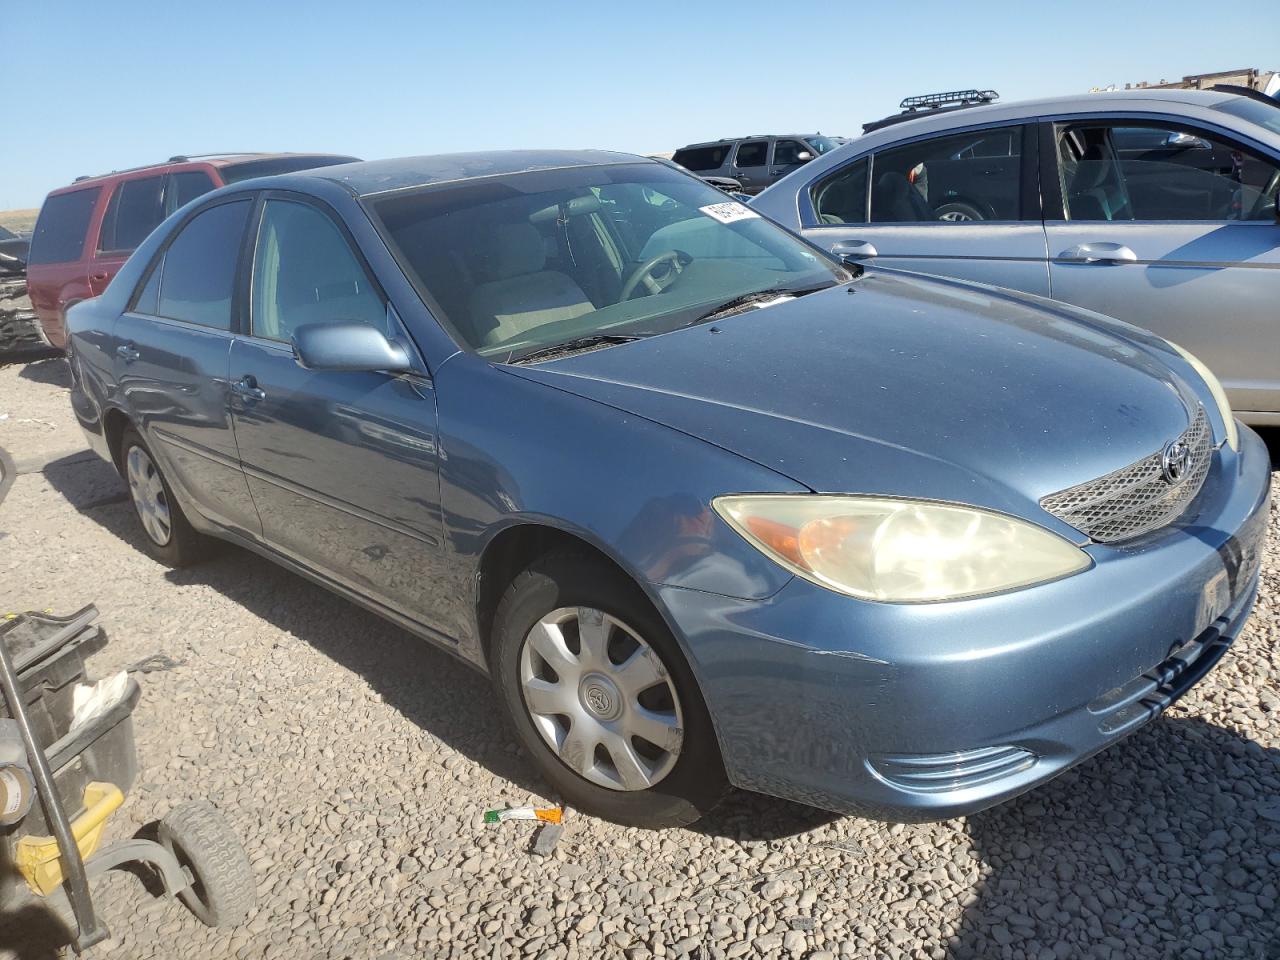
x=601, y=696
x=166, y=533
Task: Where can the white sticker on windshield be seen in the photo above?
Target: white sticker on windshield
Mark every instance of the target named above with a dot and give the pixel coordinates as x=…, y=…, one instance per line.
x=728, y=212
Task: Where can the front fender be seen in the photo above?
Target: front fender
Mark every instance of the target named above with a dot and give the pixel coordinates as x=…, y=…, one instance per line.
x=515, y=451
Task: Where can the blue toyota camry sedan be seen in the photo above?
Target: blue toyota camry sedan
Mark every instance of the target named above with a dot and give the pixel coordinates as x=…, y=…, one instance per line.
x=710, y=507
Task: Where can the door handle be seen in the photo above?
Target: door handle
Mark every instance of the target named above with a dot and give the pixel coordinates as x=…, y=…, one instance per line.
x=127, y=352
x=247, y=387
x=1098, y=253
x=853, y=250
x=99, y=277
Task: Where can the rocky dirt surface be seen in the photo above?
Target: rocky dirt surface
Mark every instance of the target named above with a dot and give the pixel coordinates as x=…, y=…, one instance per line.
x=356, y=761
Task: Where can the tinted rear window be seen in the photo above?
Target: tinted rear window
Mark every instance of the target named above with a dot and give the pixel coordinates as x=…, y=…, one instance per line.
x=199, y=268
x=136, y=208
x=702, y=158
x=270, y=166
x=60, y=229
x=185, y=187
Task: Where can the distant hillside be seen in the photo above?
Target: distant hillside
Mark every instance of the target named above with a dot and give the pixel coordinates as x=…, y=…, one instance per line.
x=19, y=221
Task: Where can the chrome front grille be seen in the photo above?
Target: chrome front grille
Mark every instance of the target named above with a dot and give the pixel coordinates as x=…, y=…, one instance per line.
x=1136, y=499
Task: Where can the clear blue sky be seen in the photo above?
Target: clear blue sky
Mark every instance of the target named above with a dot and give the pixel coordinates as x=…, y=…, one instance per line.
x=93, y=86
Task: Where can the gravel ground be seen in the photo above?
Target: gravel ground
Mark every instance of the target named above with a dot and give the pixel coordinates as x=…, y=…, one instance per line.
x=356, y=761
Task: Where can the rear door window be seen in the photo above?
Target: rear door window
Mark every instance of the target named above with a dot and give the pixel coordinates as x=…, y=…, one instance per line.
x=842, y=197
x=197, y=282
x=752, y=153
x=702, y=158
x=953, y=179
x=61, y=227
x=185, y=187
x=136, y=208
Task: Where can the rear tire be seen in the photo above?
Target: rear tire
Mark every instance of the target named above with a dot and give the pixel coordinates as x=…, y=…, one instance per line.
x=669, y=784
x=166, y=533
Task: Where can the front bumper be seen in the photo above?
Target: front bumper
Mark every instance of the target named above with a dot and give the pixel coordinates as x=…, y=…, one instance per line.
x=924, y=712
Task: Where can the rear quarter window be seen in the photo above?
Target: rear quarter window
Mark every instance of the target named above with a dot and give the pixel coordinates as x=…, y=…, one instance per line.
x=702, y=158
x=61, y=227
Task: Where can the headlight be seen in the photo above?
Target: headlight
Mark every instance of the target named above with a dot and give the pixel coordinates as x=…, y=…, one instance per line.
x=901, y=551
x=1215, y=390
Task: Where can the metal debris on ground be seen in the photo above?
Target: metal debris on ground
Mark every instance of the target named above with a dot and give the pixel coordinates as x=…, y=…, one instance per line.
x=544, y=844
x=156, y=663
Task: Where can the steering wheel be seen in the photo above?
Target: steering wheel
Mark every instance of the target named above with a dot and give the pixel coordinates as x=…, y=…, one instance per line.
x=655, y=283
x=1268, y=199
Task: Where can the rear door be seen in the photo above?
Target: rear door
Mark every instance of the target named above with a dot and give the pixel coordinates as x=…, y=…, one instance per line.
x=1173, y=228
x=342, y=465
x=135, y=208
x=962, y=205
x=171, y=354
x=751, y=165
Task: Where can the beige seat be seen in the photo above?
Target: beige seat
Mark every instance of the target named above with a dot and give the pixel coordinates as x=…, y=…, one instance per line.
x=521, y=296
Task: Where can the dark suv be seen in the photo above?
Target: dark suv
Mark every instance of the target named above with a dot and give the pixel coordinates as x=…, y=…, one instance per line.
x=755, y=162
x=86, y=231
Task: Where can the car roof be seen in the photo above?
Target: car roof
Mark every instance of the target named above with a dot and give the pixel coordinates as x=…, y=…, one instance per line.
x=756, y=136
x=368, y=177
x=1105, y=101
x=181, y=162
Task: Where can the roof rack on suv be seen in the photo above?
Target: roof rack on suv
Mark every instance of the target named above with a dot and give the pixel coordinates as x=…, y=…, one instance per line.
x=184, y=157
x=913, y=107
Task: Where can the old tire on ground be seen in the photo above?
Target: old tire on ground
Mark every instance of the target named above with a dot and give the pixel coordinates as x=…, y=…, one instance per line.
x=601, y=696
x=166, y=532
x=222, y=891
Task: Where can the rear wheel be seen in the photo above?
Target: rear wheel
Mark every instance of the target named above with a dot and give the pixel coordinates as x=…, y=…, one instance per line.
x=957, y=211
x=167, y=535
x=601, y=696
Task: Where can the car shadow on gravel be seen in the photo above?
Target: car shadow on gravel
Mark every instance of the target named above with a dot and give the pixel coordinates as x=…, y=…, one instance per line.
x=435, y=691
x=48, y=367
x=1165, y=845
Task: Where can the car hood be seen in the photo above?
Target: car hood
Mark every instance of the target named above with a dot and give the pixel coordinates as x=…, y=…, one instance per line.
x=903, y=386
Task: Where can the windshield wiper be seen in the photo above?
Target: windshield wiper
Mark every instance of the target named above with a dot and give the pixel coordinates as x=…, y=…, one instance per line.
x=573, y=346
x=737, y=304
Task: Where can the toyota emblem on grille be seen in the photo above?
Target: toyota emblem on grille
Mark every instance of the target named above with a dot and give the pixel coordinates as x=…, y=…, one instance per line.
x=1175, y=461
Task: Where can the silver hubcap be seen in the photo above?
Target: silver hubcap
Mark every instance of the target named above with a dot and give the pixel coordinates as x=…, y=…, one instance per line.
x=148, y=496
x=601, y=698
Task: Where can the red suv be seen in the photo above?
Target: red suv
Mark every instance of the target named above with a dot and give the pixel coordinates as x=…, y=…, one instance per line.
x=86, y=231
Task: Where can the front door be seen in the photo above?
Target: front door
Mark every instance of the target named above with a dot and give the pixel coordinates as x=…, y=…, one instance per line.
x=1174, y=229
x=171, y=352
x=962, y=205
x=342, y=465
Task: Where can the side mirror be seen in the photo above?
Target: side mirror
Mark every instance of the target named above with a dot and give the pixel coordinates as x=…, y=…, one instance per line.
x=348, y=346
x=804, y=156
x=1186, y=141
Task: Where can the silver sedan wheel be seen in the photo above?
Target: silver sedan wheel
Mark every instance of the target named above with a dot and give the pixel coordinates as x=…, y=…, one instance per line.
x=148, y=496
x=601, y=698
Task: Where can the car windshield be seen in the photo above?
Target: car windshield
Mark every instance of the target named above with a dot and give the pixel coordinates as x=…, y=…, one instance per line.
x=824, y=144
x=518, y=264
x=1255, y=111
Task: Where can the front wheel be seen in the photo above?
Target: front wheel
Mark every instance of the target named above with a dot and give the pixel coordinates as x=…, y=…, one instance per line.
x=602, y=697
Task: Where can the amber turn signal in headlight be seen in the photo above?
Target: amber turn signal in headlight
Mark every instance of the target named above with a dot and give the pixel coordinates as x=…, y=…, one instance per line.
x=900, y=551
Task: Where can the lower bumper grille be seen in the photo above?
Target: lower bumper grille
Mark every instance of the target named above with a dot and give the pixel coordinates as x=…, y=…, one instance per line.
x=929, y=773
